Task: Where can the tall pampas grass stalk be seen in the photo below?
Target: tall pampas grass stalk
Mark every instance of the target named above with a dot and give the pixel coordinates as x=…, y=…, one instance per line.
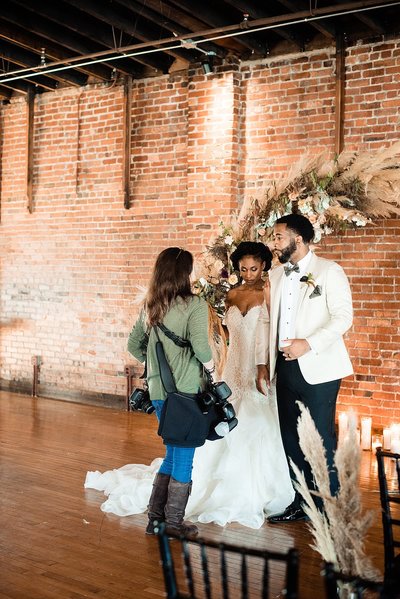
x=339, y=530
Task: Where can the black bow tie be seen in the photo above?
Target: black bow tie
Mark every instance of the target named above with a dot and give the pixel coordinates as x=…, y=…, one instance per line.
x=290, y=269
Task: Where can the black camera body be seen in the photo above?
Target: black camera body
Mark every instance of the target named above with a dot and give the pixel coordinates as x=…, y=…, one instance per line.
x=139, y=401
x=216, y=393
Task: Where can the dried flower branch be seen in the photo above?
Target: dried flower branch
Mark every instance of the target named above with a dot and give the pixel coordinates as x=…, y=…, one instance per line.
x=347, y=192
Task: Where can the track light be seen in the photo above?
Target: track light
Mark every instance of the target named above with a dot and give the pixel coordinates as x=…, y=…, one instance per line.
x=207, y=65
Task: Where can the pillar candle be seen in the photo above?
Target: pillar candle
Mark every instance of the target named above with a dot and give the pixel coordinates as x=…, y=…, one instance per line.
x=395, y=431
x=386, y=439
x=395, y=446
x=376, y=441
x=366, y=424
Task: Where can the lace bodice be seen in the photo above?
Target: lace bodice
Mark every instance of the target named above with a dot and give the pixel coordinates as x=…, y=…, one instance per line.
x=240, y=369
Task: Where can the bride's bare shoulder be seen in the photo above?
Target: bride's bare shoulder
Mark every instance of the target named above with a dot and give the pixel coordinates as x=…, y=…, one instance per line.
x=231, y=296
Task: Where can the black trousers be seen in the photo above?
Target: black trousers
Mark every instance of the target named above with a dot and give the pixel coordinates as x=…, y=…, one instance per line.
x=320, y=399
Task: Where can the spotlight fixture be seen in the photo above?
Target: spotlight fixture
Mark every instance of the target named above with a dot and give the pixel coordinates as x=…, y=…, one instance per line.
x=207, y=65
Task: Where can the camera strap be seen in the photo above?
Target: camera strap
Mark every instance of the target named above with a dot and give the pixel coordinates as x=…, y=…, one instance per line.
x=166, y=376
x=180, y=341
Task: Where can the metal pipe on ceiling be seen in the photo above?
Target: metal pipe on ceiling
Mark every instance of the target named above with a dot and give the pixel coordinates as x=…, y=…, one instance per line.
x=208, y=35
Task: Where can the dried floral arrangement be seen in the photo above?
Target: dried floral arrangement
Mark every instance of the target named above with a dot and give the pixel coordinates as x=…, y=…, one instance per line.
x=347, y=192
x=339, y=530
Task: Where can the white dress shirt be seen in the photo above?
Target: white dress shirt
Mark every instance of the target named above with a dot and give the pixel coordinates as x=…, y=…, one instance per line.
x=289, y=301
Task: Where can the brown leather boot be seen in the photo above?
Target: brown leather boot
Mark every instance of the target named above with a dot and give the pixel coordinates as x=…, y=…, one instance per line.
x=178, y=495
x=157, y=501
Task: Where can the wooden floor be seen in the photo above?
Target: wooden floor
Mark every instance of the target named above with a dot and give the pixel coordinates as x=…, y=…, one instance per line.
x=55, y=543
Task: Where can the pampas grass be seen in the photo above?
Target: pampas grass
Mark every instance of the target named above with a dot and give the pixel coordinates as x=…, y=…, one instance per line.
x=347, y=192
x=339, y=530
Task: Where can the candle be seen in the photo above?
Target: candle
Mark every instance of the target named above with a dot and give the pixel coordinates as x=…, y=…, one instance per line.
x=386, y=438
x=343, y=426
x=366, y=423
x=395, y=431
x=376, y=441
x=395, y=446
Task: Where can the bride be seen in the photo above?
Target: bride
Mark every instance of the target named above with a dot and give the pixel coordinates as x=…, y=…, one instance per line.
x=243, y=477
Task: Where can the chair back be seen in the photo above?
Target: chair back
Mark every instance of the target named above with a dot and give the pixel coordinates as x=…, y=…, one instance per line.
x=349, y=587
x=196, y=567
x=389, y=491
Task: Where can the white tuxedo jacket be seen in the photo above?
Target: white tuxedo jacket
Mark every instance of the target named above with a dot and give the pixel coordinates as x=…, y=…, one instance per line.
x=322, y=320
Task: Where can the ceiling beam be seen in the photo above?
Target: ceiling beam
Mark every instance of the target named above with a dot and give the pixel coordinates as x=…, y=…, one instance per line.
x=187, y=20
x=23, y=58
x=33, y=18
x=214, y=19
x=299, y=18
x=249, y=9
x=46, y=82
x=371, y=23
x=128, y=24
x=34, y=43
x=174, y=25
x=324, y=28
x=20, y=86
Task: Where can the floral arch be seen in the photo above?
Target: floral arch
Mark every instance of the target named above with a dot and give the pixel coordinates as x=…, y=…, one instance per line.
x=349, y=191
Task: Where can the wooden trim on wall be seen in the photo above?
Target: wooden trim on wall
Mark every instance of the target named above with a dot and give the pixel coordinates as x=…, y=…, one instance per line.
x=339, y=99
x=127, y=141
x=30, y=101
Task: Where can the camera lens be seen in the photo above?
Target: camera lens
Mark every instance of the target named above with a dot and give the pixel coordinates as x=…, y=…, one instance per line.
x=139, y=401
x=229, y=411
x=222, y=391
x=147, y=407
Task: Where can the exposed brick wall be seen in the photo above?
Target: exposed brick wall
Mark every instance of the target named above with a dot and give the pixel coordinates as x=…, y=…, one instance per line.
x=289, y=109
x=372, y=95
x=370, y=257
x=199, y=146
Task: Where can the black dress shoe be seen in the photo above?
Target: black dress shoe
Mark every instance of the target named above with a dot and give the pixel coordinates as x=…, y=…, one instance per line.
x=292, y=513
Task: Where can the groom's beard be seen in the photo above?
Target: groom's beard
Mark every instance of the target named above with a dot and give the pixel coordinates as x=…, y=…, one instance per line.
x=285, y=254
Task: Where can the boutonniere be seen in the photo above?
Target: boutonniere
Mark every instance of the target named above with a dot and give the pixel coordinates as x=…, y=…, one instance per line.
x=309, y=280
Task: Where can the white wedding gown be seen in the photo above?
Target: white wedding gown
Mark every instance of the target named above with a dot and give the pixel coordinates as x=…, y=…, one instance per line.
x=240, y=478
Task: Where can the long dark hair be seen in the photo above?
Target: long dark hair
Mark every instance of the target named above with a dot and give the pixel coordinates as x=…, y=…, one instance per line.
x=170, y=279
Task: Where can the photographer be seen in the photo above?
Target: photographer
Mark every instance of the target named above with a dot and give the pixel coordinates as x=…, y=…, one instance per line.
x=170, y=301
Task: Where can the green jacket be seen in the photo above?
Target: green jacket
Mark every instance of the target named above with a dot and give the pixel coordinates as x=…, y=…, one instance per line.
x=188, y=319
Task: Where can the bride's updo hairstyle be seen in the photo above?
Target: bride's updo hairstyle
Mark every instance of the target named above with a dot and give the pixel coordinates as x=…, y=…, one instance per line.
x=255, y=249
x=170, y=280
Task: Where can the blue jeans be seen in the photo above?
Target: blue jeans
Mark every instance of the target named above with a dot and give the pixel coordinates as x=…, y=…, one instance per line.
x=178, y=461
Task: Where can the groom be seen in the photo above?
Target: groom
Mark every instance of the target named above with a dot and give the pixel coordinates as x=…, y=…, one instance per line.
x=311, y=309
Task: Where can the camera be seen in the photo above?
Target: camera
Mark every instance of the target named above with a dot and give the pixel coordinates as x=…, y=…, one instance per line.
x=139, y=401
x=215, y=398
x=216, y=393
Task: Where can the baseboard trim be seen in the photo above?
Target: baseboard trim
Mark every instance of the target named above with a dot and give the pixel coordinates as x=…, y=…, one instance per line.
x=85, y=397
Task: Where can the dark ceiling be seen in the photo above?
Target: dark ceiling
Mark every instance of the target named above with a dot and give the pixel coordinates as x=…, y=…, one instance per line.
x=87, y=36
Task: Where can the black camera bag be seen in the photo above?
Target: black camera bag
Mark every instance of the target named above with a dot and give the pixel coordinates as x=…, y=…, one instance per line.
x=183, y=422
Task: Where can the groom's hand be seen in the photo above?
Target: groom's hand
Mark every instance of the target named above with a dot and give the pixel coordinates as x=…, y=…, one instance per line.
x=295, y=348
x=262, y=380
